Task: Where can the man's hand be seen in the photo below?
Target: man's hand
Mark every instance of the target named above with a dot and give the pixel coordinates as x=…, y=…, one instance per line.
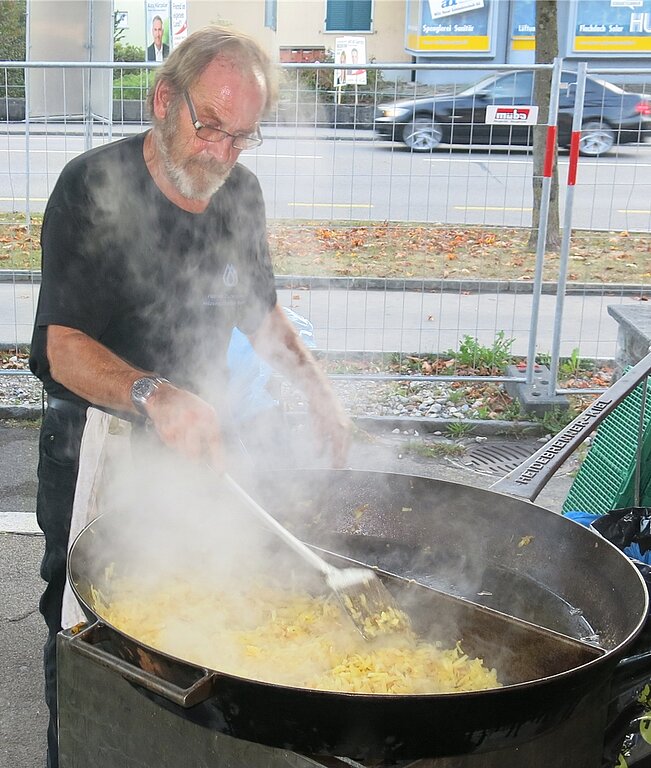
x=186, y=423
x=332, y=424
x=277, y=342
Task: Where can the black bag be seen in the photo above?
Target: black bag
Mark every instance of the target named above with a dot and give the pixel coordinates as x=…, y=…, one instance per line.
x=627, y=740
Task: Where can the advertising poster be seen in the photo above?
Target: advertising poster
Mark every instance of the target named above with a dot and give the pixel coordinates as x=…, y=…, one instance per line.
x=613, y=27
x=523, y=25
x=350, y=50
x=448, y=27
x=179, y=22
x=157, y=26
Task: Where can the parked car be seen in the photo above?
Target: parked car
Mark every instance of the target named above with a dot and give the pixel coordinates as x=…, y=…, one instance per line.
x=610, y=115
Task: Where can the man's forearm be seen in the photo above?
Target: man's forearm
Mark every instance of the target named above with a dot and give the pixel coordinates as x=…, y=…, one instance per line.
x=182, y=420
x=90, y=370
x=278, y=343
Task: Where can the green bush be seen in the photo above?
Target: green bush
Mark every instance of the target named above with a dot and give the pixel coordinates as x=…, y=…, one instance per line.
x=472, y=354
x=300, y=85
x=12, y=47
x=134, y=84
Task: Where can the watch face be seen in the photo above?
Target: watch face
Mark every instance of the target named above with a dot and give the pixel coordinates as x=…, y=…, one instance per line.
x=144, y=388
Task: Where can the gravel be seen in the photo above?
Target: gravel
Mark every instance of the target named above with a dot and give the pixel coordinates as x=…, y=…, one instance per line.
x=19, y=389
x=361, y=398
x=420, y=400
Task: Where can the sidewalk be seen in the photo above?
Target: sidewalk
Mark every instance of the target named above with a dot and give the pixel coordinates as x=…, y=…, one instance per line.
x=405, y=321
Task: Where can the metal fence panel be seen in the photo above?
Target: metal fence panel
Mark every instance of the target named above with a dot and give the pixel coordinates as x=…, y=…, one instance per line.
x=324, y=164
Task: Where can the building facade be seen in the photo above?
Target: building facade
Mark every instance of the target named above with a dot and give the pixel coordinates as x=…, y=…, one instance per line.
x=615, y=32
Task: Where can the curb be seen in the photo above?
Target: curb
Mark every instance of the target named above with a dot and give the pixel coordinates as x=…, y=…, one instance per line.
x=475, y=427
x=20, y=412
x=424, y=285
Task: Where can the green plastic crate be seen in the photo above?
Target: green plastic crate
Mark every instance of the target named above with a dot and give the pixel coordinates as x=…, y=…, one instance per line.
x=606, y=478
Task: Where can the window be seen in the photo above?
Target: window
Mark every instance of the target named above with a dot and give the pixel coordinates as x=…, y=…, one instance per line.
x=517, y=85
x=348, y=15
x=271, y=14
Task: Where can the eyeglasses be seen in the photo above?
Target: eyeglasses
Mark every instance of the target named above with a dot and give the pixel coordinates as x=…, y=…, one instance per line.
x=211, y=133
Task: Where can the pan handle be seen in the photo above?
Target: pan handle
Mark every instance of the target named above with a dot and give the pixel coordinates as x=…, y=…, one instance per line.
x=85, y=643
x=529, y=478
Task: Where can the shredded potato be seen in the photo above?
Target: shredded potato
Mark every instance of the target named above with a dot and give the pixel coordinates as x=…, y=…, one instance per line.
x=284, y=637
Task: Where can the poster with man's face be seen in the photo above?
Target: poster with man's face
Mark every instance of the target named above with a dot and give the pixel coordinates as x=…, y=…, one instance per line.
x=158, y=29
x=350, y=51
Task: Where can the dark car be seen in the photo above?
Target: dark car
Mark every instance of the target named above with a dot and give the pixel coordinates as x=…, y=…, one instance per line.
x=610, y=115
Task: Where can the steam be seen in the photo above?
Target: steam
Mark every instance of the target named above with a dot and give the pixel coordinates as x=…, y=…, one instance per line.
x=172, y=516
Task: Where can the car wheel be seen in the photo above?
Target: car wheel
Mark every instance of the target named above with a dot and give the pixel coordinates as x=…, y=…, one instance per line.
x=422, y=135
x=597, y=138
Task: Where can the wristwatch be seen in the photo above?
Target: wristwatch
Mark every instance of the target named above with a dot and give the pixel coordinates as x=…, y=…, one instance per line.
x=142, y=389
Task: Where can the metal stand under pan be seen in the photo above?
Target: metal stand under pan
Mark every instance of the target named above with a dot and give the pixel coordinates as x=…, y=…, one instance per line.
x=106, y=722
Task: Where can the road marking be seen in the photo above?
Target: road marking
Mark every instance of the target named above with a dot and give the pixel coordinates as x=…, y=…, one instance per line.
x=511, y=161
x=624, y=210
x=291, y=157
x=488, y=208
x=468, y=160
x=79, y=151
x=23, y=199
x=46, y=151
x=331, y=205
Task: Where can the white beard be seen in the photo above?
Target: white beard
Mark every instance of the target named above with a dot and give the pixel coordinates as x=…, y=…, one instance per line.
x=196, y=177
x=198, y=185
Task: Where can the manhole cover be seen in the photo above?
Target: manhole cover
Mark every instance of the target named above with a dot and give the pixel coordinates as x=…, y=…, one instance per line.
x=495, y=458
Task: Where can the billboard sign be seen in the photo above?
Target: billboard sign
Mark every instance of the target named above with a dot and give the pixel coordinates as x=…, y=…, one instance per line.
x=523, y=25
x=179, y=28
x=350, y=50
x=450, y=27
x=612, y=27
x=157, y=21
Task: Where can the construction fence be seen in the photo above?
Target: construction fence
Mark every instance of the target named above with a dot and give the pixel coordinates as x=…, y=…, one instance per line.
x=346, y=171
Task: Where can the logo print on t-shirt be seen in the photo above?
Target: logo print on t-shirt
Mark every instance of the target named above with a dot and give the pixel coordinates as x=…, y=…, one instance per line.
x=226, y=296
x=230, y=277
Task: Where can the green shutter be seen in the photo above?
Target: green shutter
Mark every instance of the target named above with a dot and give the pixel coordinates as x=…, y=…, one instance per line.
x=348, y=15
x=360, y=11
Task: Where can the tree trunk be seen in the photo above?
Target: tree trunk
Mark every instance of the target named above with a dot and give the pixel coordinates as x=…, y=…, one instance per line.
x=546, y=51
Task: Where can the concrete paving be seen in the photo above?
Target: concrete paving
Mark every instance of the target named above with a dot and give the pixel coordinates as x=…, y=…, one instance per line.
x=23, y=714
x=407, y=321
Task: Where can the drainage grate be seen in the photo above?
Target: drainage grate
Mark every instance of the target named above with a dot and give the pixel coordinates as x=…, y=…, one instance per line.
x=496, y=458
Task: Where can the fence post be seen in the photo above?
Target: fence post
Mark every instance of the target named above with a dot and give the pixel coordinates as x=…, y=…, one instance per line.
x=550, y=153
x=577, y=120
x=28, y=214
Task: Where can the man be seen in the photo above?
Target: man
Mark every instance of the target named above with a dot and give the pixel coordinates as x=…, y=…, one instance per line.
x=154, y=250
x=158, y=50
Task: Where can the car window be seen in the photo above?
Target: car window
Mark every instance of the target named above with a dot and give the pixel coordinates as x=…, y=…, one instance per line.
x=480, y=87
x=516, y=85
x=608, y=86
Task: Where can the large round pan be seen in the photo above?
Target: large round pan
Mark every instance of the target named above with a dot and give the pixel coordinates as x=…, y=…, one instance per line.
x=562, y=601
x=488, y=552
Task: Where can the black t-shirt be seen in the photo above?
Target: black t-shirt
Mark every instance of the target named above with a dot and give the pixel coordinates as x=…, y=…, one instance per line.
x=160, y=287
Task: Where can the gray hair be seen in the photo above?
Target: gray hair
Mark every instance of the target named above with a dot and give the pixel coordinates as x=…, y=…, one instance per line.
x=186, y=63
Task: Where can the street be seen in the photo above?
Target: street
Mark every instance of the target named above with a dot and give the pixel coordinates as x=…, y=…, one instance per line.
x=351, y=175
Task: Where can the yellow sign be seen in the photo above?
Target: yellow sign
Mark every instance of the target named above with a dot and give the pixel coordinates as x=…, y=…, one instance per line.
x=448, y=43
x=617, y=44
